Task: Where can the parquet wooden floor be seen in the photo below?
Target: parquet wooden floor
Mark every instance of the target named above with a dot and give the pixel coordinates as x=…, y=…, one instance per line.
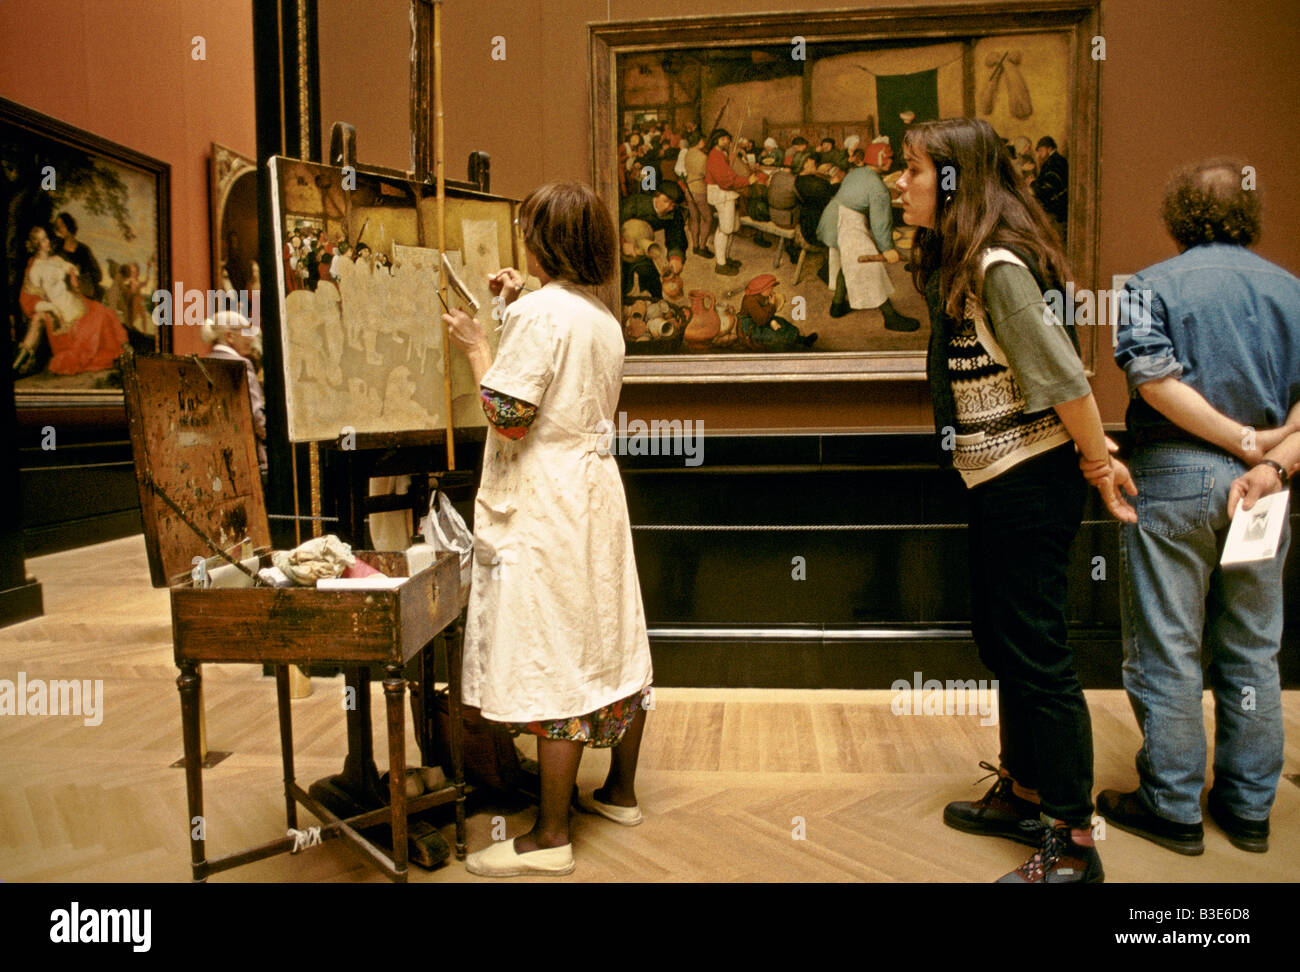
x=727, y=776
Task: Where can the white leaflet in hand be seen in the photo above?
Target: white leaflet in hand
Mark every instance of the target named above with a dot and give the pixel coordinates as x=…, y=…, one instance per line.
x=1255, y=532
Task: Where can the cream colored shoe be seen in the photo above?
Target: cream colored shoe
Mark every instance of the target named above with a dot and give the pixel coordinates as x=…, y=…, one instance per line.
x=627, y=816
x=502, y=860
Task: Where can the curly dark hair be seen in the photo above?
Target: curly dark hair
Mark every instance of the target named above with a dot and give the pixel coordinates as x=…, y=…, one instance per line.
x=1206, y=203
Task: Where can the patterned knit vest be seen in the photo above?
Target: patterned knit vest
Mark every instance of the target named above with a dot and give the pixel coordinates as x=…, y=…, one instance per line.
x=993, y=430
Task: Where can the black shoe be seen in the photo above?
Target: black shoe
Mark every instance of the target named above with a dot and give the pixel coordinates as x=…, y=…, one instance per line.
x=999, y=813
x=1127, y=812
x=1247, y=835
x=808, y=340
x=701, y=251
x=1059, y=861
x=726, y=269
x=899, y=322
x=895, y=321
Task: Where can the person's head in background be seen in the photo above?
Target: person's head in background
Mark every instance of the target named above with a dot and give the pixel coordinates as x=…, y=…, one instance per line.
x=1046, y=146
x=1205, y=203
x=569, y=234
x=667, y=197
x=879, y=156
x=235, y=331
x=65, y=227
x=963, y=192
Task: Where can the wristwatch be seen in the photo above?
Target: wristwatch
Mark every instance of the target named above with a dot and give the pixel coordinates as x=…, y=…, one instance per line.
x=1281, y=469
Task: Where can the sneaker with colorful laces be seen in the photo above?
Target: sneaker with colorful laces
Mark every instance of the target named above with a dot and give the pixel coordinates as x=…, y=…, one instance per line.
x=999, y=813
x=1060, y=860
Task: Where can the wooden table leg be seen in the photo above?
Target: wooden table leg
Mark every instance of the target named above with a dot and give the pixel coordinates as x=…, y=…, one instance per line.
x=189, y=682
x=286, y=742
x=454, y=639
x=395, y=697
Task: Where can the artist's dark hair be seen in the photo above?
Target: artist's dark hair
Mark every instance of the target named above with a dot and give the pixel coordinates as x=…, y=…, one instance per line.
x=695, y=138
x=828, y=139
x=68, y=221
x=570, y=232
x=798, y=140
x=716, y=136
x=990, y=205
x=1047, y=142
x=1206, y=203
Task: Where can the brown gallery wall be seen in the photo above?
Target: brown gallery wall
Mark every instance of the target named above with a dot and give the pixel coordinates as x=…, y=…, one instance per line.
x=1182, y=79
x=125, y=70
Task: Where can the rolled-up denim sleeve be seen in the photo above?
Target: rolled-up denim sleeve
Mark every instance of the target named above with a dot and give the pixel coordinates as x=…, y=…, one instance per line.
x=1144, y=350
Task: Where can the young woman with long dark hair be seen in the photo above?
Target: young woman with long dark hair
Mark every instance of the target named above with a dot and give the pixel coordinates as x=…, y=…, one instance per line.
x=1012, y=405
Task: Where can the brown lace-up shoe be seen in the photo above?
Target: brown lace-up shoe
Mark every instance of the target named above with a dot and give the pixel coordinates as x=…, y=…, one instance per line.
x=999, y=813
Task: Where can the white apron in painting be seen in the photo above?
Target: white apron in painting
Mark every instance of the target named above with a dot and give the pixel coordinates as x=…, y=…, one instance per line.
x=868, y=284
x=556, y=626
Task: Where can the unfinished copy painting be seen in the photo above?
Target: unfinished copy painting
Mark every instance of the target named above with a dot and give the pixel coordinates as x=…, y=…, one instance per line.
x=359, y=284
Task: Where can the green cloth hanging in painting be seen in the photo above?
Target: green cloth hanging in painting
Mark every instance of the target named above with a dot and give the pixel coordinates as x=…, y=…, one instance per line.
x=897, y=93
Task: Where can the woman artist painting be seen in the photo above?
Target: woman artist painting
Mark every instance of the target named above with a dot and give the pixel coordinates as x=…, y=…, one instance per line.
x=556, y=640
x=1013, y=404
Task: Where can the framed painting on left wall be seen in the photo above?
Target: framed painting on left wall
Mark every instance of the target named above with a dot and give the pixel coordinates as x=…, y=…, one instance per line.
x=86, y=246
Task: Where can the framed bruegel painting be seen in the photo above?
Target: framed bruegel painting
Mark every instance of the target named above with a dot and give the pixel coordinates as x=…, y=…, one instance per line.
x=86, y=245
x=741, y=285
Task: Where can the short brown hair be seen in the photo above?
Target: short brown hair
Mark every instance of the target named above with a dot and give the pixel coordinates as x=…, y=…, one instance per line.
x=571, y=233
x=1207, y=203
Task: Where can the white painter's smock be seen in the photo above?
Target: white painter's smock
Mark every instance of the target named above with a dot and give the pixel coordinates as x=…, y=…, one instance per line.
x=556, y=627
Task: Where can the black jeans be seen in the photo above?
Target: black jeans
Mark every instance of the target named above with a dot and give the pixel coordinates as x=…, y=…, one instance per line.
x=1021, y=526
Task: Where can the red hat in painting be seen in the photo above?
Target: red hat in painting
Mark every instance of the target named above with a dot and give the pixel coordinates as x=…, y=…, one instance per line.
x=764, y=281
x=876, y=150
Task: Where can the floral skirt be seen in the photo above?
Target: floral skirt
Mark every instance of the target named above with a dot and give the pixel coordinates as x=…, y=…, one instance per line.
x=600, y=729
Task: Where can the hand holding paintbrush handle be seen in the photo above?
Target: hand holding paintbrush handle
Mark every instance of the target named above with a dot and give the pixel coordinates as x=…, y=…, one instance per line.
x=507, y=283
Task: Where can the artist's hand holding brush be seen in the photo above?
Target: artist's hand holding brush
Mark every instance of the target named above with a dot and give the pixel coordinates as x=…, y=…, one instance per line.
x=507, y=283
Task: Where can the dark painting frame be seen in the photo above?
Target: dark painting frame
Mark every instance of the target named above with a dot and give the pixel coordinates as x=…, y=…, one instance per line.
x=1077, y=22
x=105, y=181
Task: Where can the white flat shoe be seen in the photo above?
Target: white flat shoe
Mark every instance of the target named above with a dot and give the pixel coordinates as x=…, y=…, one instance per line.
x=502, y=860
x=627, y=816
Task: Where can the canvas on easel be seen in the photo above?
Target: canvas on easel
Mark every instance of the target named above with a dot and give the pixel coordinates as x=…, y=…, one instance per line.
x=358, y=278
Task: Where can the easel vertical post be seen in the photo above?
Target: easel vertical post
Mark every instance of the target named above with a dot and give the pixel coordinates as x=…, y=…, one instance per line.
x=439, y=165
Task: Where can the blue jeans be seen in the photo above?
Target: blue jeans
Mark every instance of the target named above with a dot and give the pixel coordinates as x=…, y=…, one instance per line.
x=1175, y=598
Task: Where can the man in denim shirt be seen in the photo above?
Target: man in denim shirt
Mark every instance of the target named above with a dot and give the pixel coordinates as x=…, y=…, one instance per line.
x=1210, y=343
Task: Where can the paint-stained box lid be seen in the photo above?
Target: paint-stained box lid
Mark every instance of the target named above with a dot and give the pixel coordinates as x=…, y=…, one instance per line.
x=195, y=453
